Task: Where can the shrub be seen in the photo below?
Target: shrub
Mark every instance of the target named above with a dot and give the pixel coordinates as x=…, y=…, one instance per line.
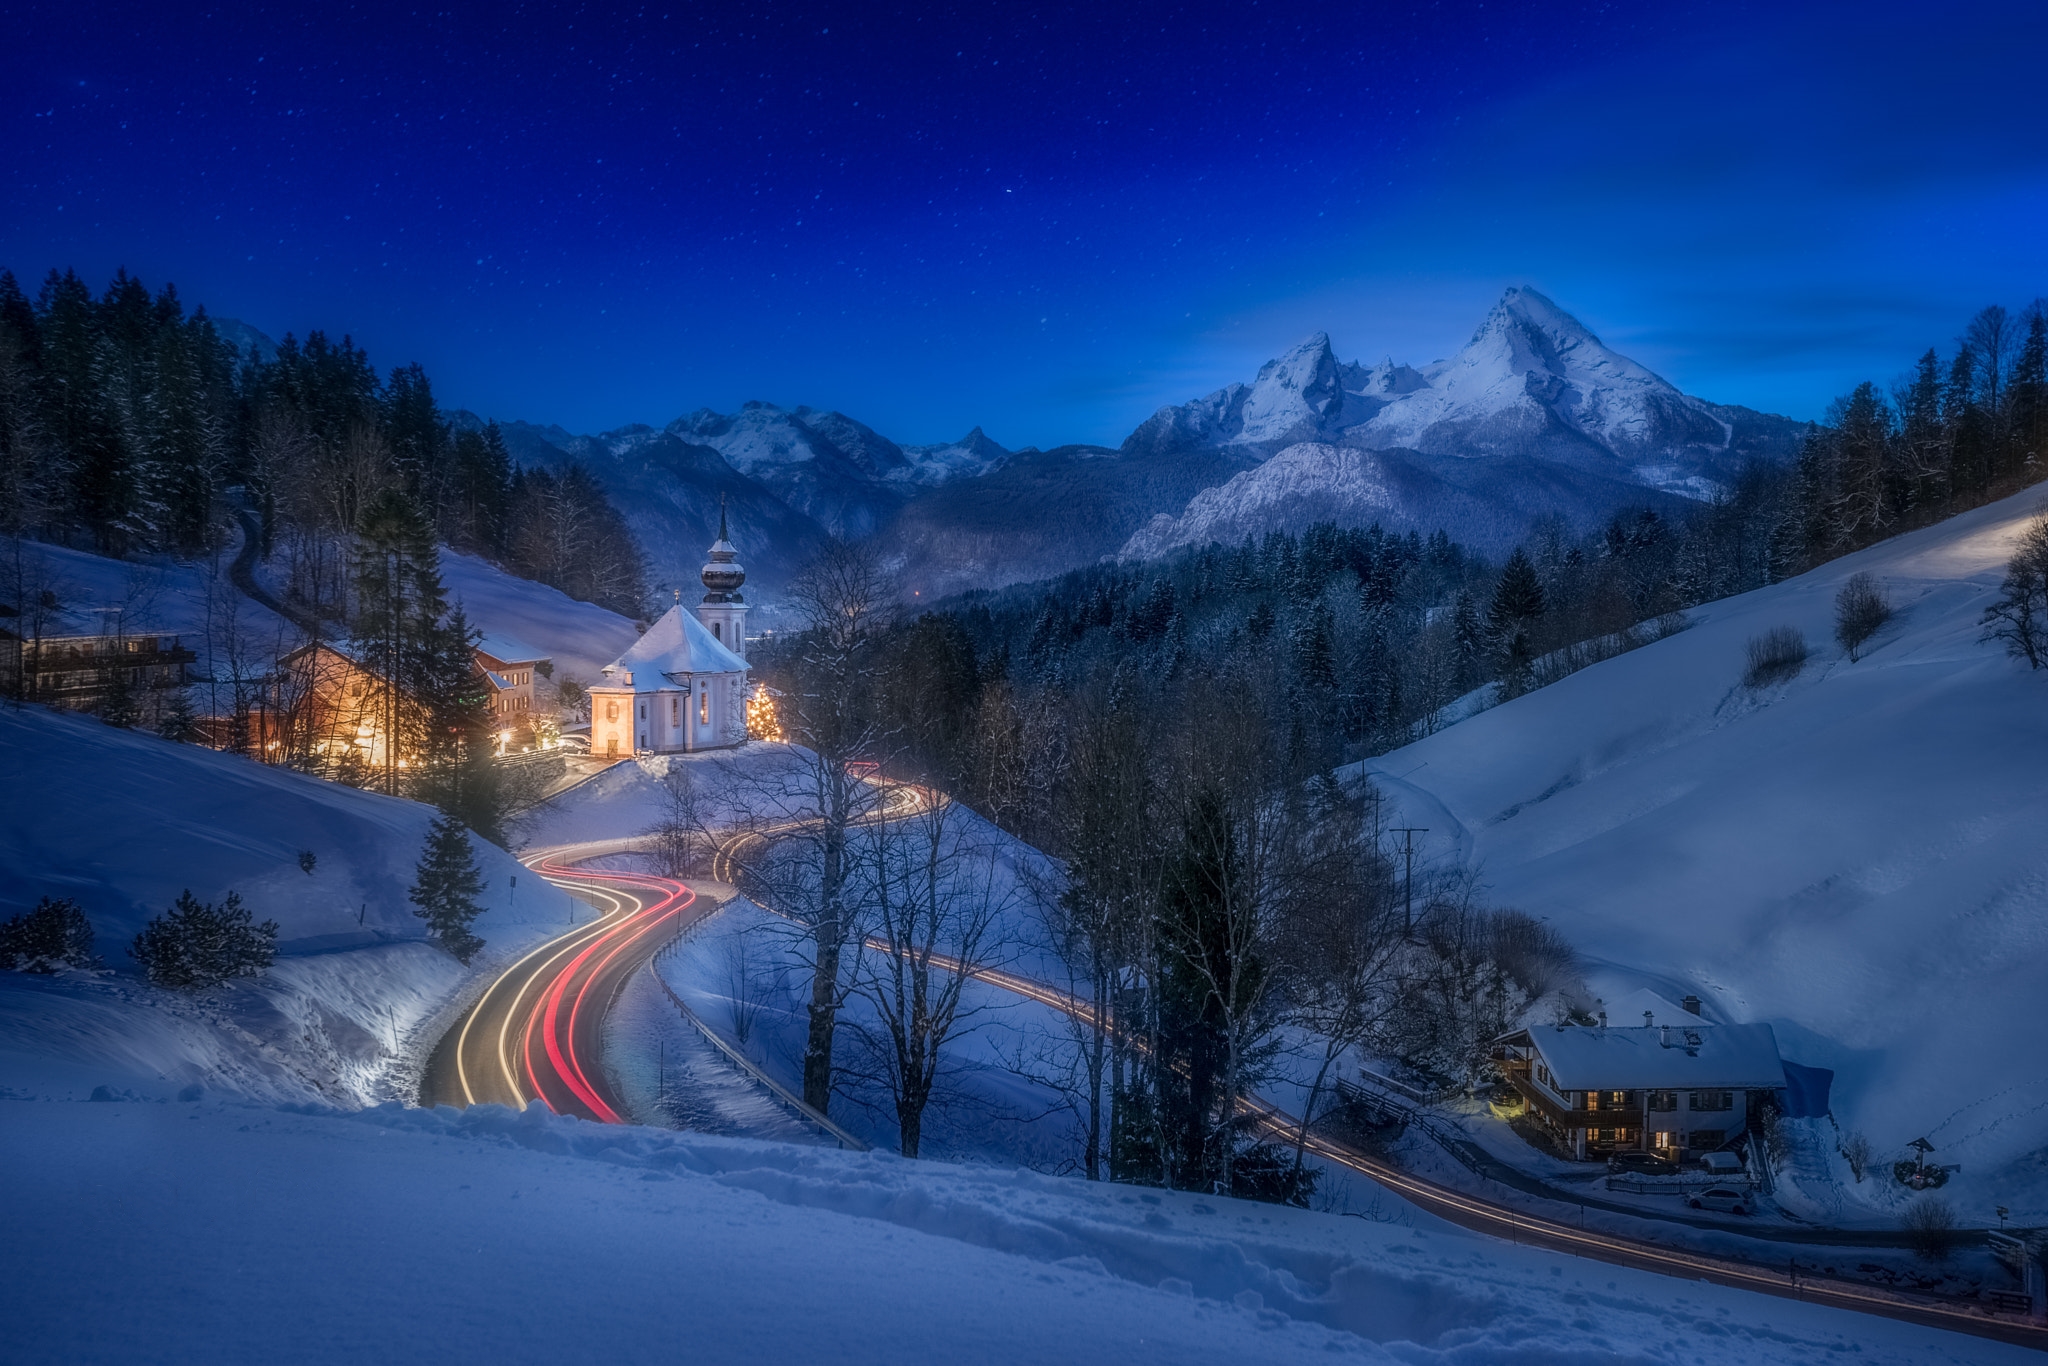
x=1856, y=1152
x=1774, y=657
x=1930, y=1225
x=196, y=945
x=54, y=935
x=1861, y=610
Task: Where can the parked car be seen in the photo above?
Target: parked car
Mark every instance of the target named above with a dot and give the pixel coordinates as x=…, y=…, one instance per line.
x=1726, y=1199
x=1721, y=1164
x=1641, y=1164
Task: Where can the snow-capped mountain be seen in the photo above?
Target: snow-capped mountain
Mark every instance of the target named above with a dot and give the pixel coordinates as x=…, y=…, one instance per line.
x=1546, y=416
x=1534, y=416
x=1485, y=501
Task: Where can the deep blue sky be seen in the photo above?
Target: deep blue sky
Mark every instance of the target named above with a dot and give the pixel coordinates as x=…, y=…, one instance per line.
x=1044, y=219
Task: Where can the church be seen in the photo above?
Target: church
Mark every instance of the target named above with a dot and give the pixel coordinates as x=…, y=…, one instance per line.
x=683, y=685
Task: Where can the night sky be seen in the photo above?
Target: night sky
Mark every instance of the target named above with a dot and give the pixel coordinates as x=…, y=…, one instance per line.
x=1047, y=220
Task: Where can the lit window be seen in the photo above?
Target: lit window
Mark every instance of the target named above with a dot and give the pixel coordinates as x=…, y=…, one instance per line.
x=704, y=707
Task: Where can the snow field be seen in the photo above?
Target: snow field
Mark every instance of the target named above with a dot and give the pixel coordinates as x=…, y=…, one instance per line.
x=230, y=1233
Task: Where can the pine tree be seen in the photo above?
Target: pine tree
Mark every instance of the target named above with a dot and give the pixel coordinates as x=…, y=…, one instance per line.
x=455, y=768
x=1517, y=603
x=447, y=886
x=54, y=935
x=196, y=944
x=399, y=605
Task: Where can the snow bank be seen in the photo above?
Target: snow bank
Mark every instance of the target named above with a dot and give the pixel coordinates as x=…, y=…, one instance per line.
x=226, y=1234
x=1853, y=856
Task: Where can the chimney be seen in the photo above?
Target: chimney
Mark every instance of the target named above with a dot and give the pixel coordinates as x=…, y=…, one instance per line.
x=1664, y=1036
x=1649, y=1019
x=1603, y=1019
x=1691, y=1004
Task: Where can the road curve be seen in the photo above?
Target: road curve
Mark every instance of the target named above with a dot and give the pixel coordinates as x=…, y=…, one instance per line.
x=537, y=1032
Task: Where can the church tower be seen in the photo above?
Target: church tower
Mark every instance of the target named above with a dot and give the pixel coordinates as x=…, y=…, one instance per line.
x=724, y=609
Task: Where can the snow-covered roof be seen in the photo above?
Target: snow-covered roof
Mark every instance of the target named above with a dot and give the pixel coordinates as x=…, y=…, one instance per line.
x=1629, y=1010
x=499, y=681
x=677, y=644
x=509, y=650
x=1590, y=1058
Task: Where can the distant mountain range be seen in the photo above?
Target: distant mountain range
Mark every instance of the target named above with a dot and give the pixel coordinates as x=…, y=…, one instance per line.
x=1534, y=416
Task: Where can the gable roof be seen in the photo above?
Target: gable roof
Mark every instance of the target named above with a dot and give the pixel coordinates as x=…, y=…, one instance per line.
x=508, y=650
x=677, y=644
x=1589, y=1058
x=1628, y=1011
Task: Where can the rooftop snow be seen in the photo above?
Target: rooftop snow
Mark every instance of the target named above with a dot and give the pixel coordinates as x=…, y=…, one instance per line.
x=677, y=644
x=1590, y=1058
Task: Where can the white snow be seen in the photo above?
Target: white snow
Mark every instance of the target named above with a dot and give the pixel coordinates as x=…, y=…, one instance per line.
x=1307, y=482
x=580, y=637
x=1854, y=857
x=123, y=822
x=220, y=1233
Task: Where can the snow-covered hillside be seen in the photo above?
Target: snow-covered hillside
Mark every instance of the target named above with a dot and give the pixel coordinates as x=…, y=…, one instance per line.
x=213, y=1232
x=122, y=823
x=1854, y=856
x=580, y=637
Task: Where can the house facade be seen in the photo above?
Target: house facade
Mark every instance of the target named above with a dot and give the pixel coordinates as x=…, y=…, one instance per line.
x=683, y=685
x=1675, y=1085
x=508, y=668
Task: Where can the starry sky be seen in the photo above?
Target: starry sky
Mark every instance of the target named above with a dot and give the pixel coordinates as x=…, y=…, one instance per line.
x=1043, y=219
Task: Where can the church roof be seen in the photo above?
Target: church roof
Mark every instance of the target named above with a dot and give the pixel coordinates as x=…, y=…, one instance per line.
x=677, y=644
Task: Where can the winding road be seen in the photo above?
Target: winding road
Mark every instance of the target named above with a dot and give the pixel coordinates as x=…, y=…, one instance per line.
x=537, y=1032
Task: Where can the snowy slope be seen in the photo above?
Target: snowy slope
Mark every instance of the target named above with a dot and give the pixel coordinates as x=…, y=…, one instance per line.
x=1854, y=857
x=581, y=637
x=95, y=595
x=211, y=1233
x=124, y=822
x=1486, y=502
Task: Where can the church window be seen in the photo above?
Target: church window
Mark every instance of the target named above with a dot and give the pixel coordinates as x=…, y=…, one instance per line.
x=716, y=633
x=611, y=711
x=674, y=710
x=704, y=707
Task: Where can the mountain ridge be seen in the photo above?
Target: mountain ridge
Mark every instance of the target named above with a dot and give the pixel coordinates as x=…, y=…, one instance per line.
x=1535, y=415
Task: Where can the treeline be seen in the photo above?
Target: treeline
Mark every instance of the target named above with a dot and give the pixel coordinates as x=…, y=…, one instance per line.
x=130, y=425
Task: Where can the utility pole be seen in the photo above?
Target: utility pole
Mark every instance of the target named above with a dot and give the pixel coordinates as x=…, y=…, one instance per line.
x=1408, y=834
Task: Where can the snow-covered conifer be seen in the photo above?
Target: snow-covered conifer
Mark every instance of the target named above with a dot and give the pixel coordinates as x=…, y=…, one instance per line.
x=446, y=888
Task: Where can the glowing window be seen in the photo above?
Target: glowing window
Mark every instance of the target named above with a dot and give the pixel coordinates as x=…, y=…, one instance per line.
x=704, y=707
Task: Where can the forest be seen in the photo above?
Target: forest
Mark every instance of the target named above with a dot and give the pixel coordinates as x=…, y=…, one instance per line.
x=130, y=425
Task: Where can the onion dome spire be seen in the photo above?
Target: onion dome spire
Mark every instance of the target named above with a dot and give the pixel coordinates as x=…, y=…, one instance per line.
x=723, y=575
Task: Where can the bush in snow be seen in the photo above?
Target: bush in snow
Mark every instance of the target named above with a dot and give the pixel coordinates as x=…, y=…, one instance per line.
x=447, y=886
x=2020, y=616
x=1775, y=656
x=1861, y=610
x=1856, y=1152
x=196, y=944
x=54, y=935
x=1930, y=1226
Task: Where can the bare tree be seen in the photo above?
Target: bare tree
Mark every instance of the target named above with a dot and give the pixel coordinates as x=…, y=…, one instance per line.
x=1347, y=948
x=680, y=834
x=813, y=807
x=935, y=898
x=1099, y=919
x=2020, y=616
x=1861, y=610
